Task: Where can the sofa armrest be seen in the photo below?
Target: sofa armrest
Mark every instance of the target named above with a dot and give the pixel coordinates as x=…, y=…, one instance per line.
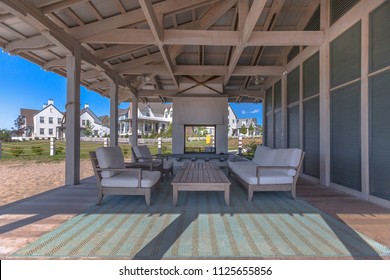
x=135, y=170
x=139, y=165
x=259, y=167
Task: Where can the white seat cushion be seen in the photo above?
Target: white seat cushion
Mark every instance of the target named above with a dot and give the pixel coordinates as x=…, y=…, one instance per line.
x=110, y=157
x=287, y=157
x=264, y=155
x=168, y=163
x=267, y=177
x=237, y=166
x=130, y=179
x=142, y=151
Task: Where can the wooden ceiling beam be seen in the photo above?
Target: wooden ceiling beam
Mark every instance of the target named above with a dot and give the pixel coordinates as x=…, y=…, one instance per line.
x=209, y=37
x=247, y=29
x=118, y=51
x=209, y=70
x=157, y=30
x=32, y=43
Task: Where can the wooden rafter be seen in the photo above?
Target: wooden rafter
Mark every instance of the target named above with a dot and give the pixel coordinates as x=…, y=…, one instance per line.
x=130, y=18
x=247, y=28
x=208, y=37
x=156, y=29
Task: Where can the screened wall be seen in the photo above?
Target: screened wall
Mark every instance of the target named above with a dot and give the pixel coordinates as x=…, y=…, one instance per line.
x=340, y=116
x=379, y=101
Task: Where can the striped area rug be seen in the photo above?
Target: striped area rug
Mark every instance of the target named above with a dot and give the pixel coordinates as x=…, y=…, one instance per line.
x=201, y=226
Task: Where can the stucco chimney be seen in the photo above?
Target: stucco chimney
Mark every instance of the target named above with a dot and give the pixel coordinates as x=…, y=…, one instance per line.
x=50, y=102
x=86, y=105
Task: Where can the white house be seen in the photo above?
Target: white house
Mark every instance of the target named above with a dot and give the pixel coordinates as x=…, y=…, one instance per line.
x=232, y=126
x=46, y=121
x=152, y=118
x=88, y=118
x=49, y=122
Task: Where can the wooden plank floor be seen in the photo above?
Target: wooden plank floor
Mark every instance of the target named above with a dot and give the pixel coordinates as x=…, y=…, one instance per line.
x=24, y=221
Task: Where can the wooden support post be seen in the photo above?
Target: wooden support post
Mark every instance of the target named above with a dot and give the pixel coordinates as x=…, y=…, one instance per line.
x=72, y=158
x=52, y=146
x=113, y=114
x=365, y=107
x=284, y=110
x=1, y=149
x=325, y=98
x=134, y=121
x=106, y=142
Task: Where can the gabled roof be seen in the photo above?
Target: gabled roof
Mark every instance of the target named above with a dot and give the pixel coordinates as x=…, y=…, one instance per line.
x=92, y=114
x=158, y=109
x=48, y=107
x=28, y=114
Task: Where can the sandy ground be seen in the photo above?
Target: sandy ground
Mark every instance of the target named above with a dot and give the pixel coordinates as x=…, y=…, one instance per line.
x=21, y=179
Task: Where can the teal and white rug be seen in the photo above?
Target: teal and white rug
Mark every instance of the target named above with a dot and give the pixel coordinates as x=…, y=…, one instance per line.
x=201, y=226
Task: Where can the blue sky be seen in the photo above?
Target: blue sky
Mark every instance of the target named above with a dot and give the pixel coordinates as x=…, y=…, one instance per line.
x=25, y=85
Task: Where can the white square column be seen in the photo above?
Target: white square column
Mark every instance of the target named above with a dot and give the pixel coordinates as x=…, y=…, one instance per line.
x=72, y=157
x=113, y=114
x=134, y=121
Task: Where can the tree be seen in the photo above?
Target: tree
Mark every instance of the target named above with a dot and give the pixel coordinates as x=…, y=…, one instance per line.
x=168, y=131
x=19, y=128
x=4, y=135
x=88, y=130
x=251, y=129
x=243, y=129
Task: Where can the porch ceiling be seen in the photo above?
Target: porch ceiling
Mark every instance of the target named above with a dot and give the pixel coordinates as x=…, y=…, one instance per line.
x=159, y=49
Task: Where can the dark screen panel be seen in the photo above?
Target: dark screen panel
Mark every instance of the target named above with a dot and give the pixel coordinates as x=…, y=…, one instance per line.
x=345, y=137
x=311, y=76
x=380, y=37
x=293, y=86
x=379, y=123
x=293, y=127
x=311, y=137
x=345, y=56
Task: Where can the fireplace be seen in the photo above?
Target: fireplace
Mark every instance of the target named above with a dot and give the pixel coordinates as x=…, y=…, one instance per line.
x=199, y=139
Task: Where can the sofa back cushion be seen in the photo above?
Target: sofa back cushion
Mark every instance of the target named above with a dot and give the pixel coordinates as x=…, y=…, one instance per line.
x=142, y=151
x=263, y=156
x=110, y=157
x=287, y=157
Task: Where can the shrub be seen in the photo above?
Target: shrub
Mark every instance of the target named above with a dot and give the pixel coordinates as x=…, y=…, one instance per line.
x=250, y=148
x=38, y=150
x=125, y=150
x=16, y=151
x=36, y=138
x=59, y=150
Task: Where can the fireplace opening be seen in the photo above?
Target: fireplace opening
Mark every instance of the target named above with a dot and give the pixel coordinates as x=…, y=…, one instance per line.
x=199, y=139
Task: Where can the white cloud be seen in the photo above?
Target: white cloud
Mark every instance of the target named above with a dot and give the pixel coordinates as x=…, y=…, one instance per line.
x=250, y=112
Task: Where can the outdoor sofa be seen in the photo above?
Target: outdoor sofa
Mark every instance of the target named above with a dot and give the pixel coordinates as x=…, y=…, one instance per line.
x=269, y=170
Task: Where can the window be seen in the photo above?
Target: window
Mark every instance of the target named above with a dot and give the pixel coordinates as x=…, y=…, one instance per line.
x=88, y=122
x=41, y=131
x=50, y=120
x=50, y=131
x=83, y=122
x=59, y=120
x=42, y=119
x=199, y=139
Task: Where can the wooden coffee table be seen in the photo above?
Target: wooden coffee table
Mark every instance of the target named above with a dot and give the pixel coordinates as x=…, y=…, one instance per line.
x=201, y=176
